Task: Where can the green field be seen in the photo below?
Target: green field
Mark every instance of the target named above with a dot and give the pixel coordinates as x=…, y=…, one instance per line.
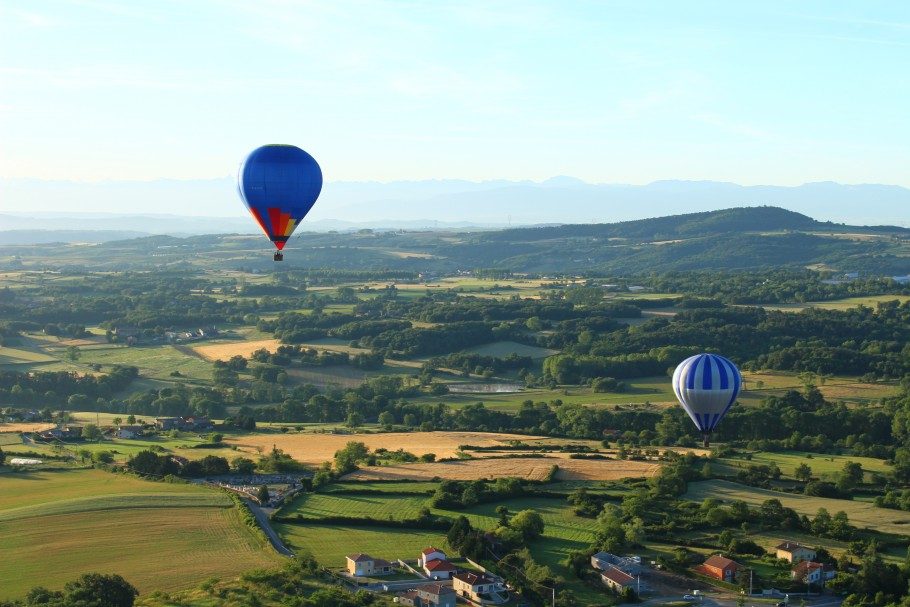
x=564, y=531
x=839, y=304
x=501, y=349
x=861, y=514
x=55, y=526
x=821, y=464
x=331, y=543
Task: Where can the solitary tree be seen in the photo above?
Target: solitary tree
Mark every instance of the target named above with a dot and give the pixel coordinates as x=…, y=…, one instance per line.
x=263, y=494
x=803, y=472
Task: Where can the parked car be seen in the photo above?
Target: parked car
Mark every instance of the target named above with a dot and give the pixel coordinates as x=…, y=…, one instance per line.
x=690, y=597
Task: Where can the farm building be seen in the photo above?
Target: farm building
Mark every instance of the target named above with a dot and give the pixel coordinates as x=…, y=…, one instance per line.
x=616, y=579
x=810, y=572
x=720, y=568
x=429, y=595
x=128, y=431
x=439, y=569
x=604, y=560
x=429, y=554
x=480, y=588
x=364, y=565
x=794, y=552
x=168, y=423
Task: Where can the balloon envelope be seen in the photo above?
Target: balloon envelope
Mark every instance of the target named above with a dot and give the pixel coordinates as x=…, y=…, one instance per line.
x=279, y=185
x=707, y=386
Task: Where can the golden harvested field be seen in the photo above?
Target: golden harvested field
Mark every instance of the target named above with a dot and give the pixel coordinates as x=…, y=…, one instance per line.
x=224, y=351
x=26, y=427
x=318, y=448
x=531, y=468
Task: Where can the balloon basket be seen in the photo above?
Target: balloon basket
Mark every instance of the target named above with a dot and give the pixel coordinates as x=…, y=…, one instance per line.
x=279, y=256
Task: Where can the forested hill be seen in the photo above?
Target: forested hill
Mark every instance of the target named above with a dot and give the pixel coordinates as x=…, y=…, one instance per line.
x=725, y=221
x=733, y=239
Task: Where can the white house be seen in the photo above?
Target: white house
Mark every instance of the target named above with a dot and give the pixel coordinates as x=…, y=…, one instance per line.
x=128, y=431
x=439, y=569
x=429, y=554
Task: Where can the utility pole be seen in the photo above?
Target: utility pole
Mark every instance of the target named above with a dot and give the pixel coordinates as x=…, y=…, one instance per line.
x=750, y=581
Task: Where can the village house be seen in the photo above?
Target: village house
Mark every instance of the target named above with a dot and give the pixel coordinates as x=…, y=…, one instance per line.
x=628, y=564
x=429, y=595
x=616, y=579
x=128, y=431
x=168, y=423
x=364, y=565
x=794, y=552
x=810, y=572
x=439, y=569
x=720, y=568
x=429, y=554
x=480, y=588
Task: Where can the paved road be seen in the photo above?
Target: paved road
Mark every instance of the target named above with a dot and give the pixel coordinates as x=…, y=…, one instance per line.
x=732, y=600
x=267, y=527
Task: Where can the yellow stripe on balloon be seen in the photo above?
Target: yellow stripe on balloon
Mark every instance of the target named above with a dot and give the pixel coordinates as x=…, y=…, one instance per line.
x=290, y=227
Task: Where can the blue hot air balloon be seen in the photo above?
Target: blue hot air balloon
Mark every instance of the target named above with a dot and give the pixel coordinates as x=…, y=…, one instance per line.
x=279, y=185
x=707, y=386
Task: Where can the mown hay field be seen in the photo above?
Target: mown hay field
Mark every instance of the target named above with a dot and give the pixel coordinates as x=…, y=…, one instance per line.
x=861, y=514
x=530, y=468
x=55, y=526
x=318, y=448
x=225, y=350
x=25, y=427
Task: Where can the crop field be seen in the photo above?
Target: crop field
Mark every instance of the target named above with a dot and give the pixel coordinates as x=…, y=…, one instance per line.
x=317, y=448
x=820, y=463
x=25, y=427
x=530, y=468
x=377, y=507
x=55, y=526
x=861, y=514
x=225, y=350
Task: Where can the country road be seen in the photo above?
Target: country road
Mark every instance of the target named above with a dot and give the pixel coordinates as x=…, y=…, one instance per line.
x=266, y=525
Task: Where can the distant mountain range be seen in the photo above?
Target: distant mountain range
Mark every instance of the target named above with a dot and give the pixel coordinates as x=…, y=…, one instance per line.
x=212, y=206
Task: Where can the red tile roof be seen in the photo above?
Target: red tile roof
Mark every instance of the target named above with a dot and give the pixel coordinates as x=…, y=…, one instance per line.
x=474, y=578
x=617, y=576
x=440, y=565
x=792, y=546
x=721, y=562
x=430, y=550
x=359, y=557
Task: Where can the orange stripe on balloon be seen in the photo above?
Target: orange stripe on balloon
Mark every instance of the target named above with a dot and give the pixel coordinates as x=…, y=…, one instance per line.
x=260, y=221
x=289, y=229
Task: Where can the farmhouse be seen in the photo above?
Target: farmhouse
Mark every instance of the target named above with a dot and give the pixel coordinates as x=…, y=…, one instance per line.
x=364, y=565
x=128, y=431
x=616, y=579
x=720, y=568
x=439, y=569
x=429, y=595
x=628, y=564
x=429, y=554
x=810, y=572
x=168, y=423
x=794, y=552
x=480, y=588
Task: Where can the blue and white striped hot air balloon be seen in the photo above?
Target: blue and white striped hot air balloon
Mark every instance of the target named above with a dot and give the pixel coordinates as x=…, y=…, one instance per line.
x=707, y=386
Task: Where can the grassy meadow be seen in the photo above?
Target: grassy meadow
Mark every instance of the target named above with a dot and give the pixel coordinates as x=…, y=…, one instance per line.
x=861, y=514
x=56, y=525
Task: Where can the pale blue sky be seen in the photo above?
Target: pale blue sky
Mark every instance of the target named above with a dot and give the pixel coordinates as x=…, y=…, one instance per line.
x=620, y=92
